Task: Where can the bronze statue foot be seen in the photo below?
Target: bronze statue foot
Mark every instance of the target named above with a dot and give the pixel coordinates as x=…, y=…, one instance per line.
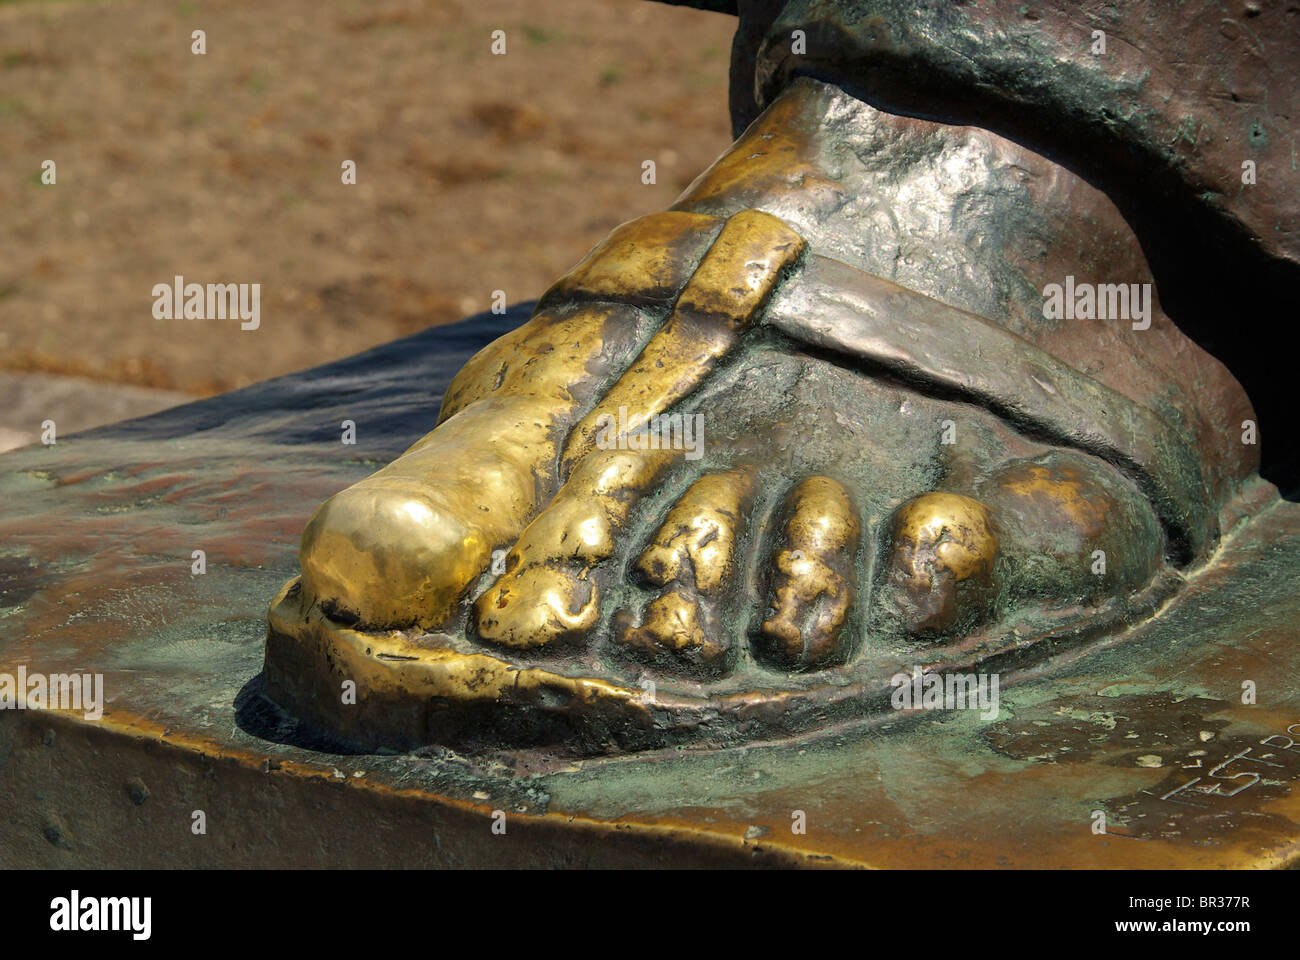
x=730, y=480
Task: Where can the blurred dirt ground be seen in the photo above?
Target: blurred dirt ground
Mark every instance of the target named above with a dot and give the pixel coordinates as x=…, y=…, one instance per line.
x=475, y=172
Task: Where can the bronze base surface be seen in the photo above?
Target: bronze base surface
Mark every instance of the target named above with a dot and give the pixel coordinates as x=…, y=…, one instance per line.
x=96, y=535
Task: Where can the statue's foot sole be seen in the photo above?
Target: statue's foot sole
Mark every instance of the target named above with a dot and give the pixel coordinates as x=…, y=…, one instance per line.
x=403, y=691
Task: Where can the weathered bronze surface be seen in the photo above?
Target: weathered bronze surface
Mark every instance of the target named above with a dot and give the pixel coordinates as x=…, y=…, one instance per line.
x=1162, y=116
x=95, y=541
x=673, y=541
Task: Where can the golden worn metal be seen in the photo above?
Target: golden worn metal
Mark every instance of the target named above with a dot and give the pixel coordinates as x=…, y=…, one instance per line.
x=693, y=556
x=812, y=587
x=645, y=262
x=546, y=593
x=697, y=542
x=674, y=623
x=943, y=541
x=391, y=668
x=734, y=279
x=402, y=546
x=954, y=531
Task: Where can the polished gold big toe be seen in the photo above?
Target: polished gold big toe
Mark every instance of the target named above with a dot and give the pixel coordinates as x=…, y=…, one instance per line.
x=400, y=547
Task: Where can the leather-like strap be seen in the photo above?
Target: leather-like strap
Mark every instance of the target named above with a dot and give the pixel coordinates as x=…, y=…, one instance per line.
x=952, y=353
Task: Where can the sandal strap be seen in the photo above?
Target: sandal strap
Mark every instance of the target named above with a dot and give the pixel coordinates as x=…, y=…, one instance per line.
x=958, y=355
